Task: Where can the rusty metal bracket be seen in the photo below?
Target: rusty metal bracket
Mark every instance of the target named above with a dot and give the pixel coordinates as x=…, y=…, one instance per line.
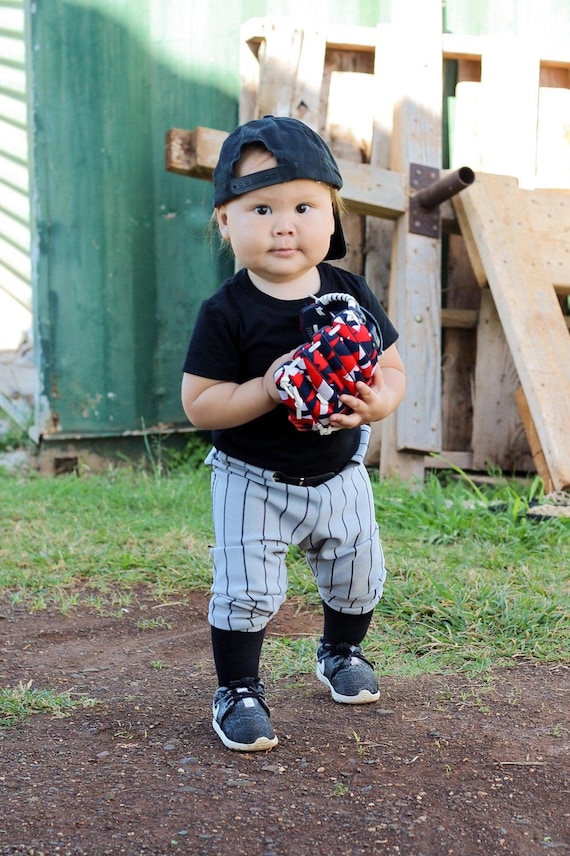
x=428, y=191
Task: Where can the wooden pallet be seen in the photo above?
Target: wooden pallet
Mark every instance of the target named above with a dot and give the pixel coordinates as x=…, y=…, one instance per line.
x=497, y=223
x=460, y=350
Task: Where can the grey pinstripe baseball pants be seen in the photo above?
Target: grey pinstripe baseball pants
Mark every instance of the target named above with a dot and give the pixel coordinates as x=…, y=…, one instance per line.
x=256, y=520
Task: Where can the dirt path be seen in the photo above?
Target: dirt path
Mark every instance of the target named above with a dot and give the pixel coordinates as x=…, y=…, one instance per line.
x=442, y=765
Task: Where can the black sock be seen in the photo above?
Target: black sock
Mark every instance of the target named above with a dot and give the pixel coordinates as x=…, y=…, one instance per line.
x=236, y=654
x=342, y=627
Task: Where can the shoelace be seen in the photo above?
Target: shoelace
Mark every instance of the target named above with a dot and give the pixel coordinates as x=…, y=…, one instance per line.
x=347, y=652
x=248, y=688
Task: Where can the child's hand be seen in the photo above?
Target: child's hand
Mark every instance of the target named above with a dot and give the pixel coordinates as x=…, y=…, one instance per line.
x=379, y=399
x=367, y=407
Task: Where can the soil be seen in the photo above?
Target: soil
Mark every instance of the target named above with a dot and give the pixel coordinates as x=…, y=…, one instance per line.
x=441, y=765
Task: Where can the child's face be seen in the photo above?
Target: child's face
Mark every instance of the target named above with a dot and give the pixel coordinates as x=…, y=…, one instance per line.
x=281, y=231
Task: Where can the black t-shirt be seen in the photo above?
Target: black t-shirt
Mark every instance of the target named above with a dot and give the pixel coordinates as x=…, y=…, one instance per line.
x=238, y=333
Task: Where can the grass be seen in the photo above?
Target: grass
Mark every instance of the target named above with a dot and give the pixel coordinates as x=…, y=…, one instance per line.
x=17, y=704
x=472, y=581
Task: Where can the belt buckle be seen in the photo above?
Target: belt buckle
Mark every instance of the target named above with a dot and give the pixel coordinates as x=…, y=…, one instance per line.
x=283, y=478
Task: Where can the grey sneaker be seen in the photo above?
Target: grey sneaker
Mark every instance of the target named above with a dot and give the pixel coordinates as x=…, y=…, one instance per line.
x=349, y=677
x=241, y=716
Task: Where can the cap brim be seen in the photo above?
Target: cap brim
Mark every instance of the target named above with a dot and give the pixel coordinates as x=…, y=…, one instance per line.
x=337, y=248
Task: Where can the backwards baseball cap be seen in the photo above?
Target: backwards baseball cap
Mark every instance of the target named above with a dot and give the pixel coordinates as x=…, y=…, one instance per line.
x=299, y=152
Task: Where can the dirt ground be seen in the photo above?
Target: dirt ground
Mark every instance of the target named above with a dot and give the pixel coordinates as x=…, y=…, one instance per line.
x=441, y=765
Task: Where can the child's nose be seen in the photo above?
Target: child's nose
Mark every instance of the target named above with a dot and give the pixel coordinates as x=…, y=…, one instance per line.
x=284, y=226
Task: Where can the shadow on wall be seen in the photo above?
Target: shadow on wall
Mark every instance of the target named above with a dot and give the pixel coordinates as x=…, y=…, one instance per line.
x=121, y=259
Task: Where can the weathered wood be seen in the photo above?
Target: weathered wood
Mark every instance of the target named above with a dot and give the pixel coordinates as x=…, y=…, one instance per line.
x=498, y=438
x=372, y=191
x=449, y=460
x=379, y=232
x=291, y=63
x=461, y=303
x=459, y=319
x=344, y=38
x=348, y=130
x=288, y=69
x=341, y=37
x=534, y=441
x=529, y=311
x=193, y=153
x=366, y=190
x=509, y=77
x=415, y=291
x=549, y=212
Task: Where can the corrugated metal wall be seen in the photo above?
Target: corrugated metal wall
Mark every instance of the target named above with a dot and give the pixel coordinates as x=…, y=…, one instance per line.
x=15, y=289
x=121, y=260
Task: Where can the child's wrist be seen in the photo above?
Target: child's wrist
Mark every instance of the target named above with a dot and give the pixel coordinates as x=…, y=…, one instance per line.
x=271, y=390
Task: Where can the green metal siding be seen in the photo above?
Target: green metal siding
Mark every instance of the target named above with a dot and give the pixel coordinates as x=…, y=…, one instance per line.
x=93, y=217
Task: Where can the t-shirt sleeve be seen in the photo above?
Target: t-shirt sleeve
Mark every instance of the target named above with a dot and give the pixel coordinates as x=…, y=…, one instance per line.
x=213, y=348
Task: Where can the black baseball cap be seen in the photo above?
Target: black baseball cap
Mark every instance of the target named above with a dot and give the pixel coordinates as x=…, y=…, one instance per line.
x=299, y=152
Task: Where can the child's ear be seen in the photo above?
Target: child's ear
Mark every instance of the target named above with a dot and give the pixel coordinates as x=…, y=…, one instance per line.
x=223, y=223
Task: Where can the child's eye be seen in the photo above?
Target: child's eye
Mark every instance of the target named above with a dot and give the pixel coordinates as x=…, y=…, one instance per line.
x=262, y=209
x=302, y=208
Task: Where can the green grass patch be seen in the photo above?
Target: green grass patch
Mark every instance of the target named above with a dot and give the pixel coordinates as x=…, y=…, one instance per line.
x=17, y=704
x=472, y=581
x=103, y=534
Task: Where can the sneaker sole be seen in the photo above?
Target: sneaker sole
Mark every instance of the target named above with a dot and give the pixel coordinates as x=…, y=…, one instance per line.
x=261, y=744
x=363, y=697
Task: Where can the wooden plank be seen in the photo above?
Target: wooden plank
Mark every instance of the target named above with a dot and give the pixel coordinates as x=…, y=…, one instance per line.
x=461, y=299
x=193, y=153
x=495, y=131
x=349, y=131
x=307, y=94
x=291, y=60
x=372, y=191
x=379, y=232
x=344, y=38
x=552, y=51
x=366, y=190
x=459, y=319
x=534, y=441
x=549, y=213
x=498, y=438
x=528, y=308
x=449, y=460
x=248, y=73
x=415, y=291
x=278, y=60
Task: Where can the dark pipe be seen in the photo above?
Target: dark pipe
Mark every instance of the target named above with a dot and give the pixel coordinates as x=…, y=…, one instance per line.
x=444, y=188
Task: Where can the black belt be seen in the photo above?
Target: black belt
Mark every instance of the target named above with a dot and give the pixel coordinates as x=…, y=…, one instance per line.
x=304, y=481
